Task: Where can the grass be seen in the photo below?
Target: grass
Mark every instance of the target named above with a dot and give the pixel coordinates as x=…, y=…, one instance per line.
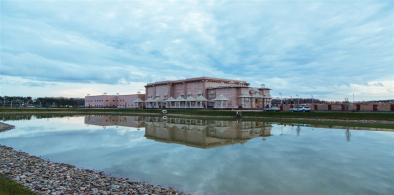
x=379, y=120
x=386, y=116
x=10, y=187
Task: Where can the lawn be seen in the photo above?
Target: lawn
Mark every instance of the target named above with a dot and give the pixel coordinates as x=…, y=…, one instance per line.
x=9, y=187
x=386, y=116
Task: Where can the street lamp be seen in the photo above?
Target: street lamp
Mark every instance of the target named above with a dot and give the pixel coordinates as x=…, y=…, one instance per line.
x=281, y=100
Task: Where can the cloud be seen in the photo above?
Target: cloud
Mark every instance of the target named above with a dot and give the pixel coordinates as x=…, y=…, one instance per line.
x=16, y=85
x=294, y=48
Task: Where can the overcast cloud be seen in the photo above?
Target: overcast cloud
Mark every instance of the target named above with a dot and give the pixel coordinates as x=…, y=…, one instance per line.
x=327, y=49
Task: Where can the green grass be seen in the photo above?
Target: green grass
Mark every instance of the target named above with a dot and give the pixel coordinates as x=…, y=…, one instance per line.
x=387, y=116
x=328, y=119
x=10, y=187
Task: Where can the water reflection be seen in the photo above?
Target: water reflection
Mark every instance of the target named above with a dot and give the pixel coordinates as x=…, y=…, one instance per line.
x=114, y=120
x=294, y=159
x=199, y=133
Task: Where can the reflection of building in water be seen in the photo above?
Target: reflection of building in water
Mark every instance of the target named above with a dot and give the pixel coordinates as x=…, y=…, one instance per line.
x=193, y=132
x=204, y=133
x=108, y=120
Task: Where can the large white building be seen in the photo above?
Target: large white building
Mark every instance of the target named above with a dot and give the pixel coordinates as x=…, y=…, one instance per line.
x=200, y=92
x=206, y=92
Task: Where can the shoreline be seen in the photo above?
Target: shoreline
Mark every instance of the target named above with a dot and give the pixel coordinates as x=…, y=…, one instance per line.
x=5, y=127
x=45, y=177
x=369, y=121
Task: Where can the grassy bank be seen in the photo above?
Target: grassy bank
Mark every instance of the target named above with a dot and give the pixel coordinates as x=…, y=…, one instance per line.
x=10, y=187
x=354, y=120
x=376, y=116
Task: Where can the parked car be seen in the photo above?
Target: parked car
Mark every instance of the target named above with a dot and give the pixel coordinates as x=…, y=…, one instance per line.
x=272, y=109
x=300, y=108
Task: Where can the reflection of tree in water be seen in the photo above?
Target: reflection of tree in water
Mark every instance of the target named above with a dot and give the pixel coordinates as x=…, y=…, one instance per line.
x=21, y=116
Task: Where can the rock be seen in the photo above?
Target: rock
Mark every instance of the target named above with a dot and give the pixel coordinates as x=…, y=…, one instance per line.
x=45, y=177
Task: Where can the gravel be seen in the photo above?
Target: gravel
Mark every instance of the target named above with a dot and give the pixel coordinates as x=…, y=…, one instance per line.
x=45, y=177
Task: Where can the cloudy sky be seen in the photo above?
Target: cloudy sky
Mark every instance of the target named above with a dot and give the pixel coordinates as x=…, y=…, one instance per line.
x=328, y=49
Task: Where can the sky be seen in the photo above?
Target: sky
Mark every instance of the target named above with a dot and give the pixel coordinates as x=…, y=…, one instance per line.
x=324, y=49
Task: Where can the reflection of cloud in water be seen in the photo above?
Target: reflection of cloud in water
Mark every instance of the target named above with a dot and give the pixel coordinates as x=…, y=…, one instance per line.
x=27, y=128
x=317, y=160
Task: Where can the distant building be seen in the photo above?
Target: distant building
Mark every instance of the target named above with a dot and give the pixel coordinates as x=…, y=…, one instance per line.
x=206, y=92
x=344, y=106
x=115, y=101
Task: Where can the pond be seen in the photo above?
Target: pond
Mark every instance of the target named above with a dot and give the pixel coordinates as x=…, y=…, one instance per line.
x=202, y=156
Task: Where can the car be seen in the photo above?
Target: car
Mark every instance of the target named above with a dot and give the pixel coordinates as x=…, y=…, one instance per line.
x=272, y=109
x=300, y=108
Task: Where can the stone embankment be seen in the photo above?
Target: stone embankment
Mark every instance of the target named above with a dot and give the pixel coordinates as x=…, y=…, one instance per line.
x=45, y=177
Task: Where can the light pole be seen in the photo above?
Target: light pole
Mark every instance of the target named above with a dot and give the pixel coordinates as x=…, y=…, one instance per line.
x=281, y=100
x=353, y=99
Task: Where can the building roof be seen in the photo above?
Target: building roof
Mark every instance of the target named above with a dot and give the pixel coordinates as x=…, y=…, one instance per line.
x=201, y=98
x=231, y=86
x=245, y=96
x=170, y=99
x=180, y=98
x=190, y=98
x=237, y=86
x=195, y=79
x=157, y=99
x=138, y=100
x=115, y=95
x=149, y=100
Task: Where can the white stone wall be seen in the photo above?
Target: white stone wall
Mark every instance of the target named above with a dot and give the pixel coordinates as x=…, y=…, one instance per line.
x=178, y=90
x=111, y=101
x=150, y=92
x=163, y=91
x=100, y=101
x=127, y=101
x=195, y=88
x=231, y=94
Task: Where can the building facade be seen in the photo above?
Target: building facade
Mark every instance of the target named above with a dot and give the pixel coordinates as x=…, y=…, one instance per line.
x=344, y=106
x=115, y=101
x=206, y=92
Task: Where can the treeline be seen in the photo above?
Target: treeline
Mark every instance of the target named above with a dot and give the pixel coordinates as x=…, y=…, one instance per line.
x=41, y=102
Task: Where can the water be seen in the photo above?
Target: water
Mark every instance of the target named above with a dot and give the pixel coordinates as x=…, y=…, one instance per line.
x=215, y=157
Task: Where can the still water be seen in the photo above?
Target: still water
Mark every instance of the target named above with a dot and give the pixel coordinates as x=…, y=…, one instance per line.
x=215, y=156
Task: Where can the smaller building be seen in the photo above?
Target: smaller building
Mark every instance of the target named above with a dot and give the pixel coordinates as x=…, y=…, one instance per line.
x=345, y=106
x=115, y=101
